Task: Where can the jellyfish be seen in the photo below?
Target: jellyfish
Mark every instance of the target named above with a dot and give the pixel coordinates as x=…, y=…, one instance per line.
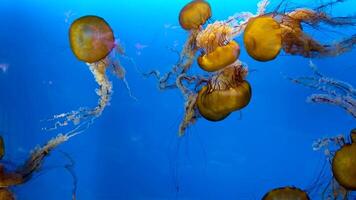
x=92, y=41
x=226, y=92
x=344, y=166
x=332, y=91
x=286, y=193
x=340, y=152
x=262, y=38
x=194, y=14
x=265, y=35
x=219, y=57
x=23, y=173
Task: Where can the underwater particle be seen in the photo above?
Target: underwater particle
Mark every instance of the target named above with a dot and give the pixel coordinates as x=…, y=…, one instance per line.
x=262, y=38
x=194, y=14
x=221, y=57
x=6, y=194
x=226, y=92
x=344, y=166
x=286, y=193
x=91, y=38
x=2, y=147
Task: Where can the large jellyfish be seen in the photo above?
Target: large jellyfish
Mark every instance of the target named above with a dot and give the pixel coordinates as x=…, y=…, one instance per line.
x=265, y=35
x=286, y=193
x=10, y=177
x=92, y=41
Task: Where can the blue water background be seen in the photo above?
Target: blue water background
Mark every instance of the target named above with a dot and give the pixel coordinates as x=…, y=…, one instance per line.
x=132, y=150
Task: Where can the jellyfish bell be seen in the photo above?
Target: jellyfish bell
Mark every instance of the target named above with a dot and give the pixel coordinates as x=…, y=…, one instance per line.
x=225, y=93
x=286, y=193
x=194, y=14
x=344, y=166
x=262, y=38
x=91, y=38
x=220, y=57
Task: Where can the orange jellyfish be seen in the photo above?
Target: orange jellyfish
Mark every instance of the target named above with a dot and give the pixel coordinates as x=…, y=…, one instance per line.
x=343, y=165
x=265, y=35
x=92, y=41
x=262, y=38
x=226, y=92
x=217, y=46
x=194, y=14
x=286, y=193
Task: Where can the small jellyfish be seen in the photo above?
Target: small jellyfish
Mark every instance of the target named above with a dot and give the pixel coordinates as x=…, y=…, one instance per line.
x=194, y=14
x=226, y=92
x=262, y=38
x=92, y=41
x=286, y=193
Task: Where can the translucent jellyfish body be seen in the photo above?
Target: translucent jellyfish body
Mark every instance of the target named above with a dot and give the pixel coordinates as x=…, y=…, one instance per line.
x=194, y=14
x=92, y=41
x=91, y=38
x=226, y=92
x=286, y=193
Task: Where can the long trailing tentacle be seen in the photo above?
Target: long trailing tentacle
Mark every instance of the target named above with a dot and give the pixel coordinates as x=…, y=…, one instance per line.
x=335, y=92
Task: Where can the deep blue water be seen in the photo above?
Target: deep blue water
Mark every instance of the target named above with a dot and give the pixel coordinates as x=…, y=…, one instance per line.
x=132, y=151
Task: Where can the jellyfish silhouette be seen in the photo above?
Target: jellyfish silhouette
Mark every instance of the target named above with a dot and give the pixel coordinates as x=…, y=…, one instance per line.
x=25, y=172
x=92, y=41
x=286, y=193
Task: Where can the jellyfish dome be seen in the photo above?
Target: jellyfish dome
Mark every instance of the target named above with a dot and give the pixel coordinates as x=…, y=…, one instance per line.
x=344, y=166
x=262, y=38
x=286, y=193
x=194, y=14
x=220, y=57
x=91, y=38
x=225, y=93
